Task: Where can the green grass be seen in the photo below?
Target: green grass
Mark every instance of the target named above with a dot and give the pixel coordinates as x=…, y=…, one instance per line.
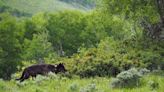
x=55, y=83
x=35, y=6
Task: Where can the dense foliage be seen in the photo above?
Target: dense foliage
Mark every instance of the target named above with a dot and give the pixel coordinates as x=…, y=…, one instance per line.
x=10, y=47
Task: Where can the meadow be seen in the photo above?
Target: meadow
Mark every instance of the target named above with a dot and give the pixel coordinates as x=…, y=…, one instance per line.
x=57, y=83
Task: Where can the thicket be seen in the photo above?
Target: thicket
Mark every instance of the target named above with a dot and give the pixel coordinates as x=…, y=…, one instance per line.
x=10, y=46
x=111, y=57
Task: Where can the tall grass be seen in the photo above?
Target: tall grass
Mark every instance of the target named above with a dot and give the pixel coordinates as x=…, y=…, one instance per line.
x=56, y=83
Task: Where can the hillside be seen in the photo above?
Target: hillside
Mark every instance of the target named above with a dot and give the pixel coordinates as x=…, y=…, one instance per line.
x=35, y=6
x=86, y=3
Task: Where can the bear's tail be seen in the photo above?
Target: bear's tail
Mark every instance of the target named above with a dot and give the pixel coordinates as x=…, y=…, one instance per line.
x=21, y=76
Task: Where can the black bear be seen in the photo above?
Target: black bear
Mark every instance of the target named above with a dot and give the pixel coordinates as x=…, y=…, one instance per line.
x=41, y=69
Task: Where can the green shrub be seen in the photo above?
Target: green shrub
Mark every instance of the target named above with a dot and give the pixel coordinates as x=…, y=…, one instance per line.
x=130, y=78
x=52, y=75
x=111, y=57
x=89, y=88
x=144, y=71
x=73, y=87
x=153, y=85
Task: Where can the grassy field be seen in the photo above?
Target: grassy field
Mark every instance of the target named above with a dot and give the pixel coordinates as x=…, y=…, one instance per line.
x=54, y=83
x=35, y=6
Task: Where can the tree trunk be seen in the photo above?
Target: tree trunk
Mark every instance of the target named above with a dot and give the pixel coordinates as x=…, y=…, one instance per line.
x=60, y=49
x=156, y=31
x=160, y=7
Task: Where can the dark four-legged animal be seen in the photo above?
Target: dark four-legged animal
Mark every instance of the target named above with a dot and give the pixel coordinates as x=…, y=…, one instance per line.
x=42, y=69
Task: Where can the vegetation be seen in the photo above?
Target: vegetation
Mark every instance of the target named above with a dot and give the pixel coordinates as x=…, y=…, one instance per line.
x=33, y=7
x=129, y=78
x=86, y=3
x=9, y=45
x=56, y=83
x=105, y=42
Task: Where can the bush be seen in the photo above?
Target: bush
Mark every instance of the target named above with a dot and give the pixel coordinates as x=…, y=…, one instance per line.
x=39, y=79
x=52, y=75
x=130, y=78
x=112, y=56
x=144, y=71
x=73, y=87
x=153, y=85
x=89, y=88
x=116, y=83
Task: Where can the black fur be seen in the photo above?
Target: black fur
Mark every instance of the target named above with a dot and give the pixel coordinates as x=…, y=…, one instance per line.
x=42, y=69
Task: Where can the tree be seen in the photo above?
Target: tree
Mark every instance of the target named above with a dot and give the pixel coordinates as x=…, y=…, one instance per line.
x=10, y=47
x=148, y=13
x=64, y=29
x=38, y=48
x=34, y=25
